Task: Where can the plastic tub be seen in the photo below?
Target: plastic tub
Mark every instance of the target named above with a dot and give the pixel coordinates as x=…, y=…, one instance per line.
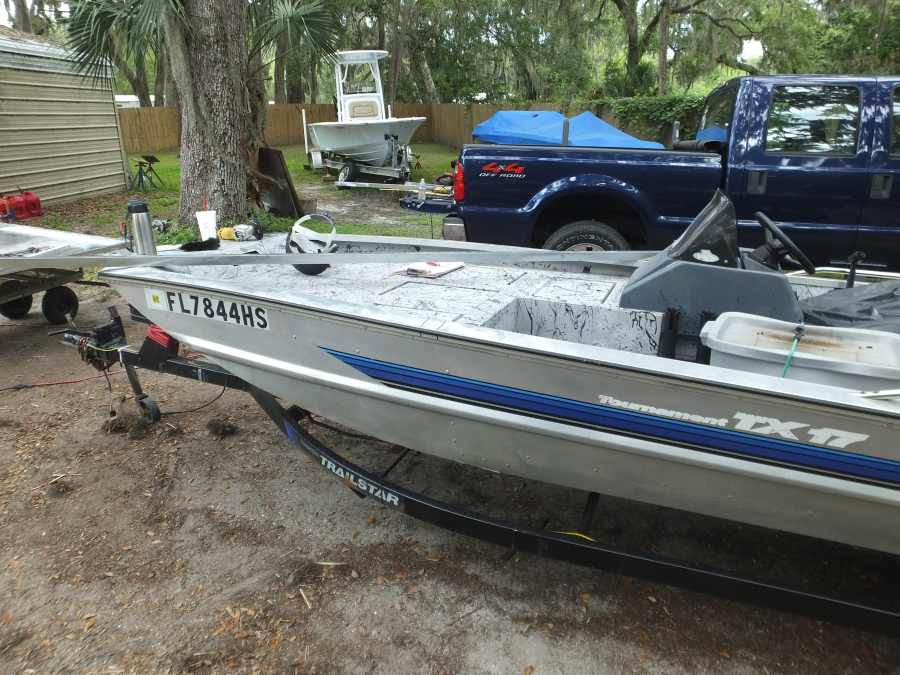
x=852, y=358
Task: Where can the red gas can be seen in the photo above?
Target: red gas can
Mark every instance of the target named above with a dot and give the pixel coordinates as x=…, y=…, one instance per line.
x=25, y=204
x=32, y=204
x=17, y=203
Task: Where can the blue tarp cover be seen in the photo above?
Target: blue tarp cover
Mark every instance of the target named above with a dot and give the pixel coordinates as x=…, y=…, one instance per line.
x=539, y=127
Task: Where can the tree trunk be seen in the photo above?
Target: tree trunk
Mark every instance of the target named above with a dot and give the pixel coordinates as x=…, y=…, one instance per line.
x=397, y=51
x=171, y=91
x=281, y=54
x=530, y=77
x=407, y=76
x=314, y=80
x=162, y=76
x=637, y=42
x=431, y=95
x=141, y=86
x=23, y=17
x=137, y=76
x=210, y=70
x=295, y=92
x=380, y=24
x=257, y=99
x=663, y=62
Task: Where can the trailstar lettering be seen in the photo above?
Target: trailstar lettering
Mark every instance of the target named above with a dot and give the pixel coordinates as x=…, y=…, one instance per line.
x=361, y=484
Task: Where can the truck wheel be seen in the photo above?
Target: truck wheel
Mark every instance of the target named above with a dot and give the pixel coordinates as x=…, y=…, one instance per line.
x=586, y=235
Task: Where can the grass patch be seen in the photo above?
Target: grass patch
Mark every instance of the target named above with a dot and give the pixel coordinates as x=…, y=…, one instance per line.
x=418, y=230
x=178, y=235
x=432, y=159
x=104, y=214
x=168, y=170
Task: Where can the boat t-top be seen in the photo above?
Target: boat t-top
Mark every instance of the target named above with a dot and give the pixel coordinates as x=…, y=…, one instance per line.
x=366, y=137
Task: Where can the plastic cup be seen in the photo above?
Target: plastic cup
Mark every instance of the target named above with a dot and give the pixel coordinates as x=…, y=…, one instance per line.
x=206, y=220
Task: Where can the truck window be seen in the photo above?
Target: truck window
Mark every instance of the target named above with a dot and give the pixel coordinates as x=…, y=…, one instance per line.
x=895, y=123
x=813, y=119
x=716, y=120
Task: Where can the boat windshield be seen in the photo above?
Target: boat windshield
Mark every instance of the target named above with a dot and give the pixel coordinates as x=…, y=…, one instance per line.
x=712, y=238
x=358, y=78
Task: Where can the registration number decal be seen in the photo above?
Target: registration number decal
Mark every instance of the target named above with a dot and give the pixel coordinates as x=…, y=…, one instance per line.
x=226, y=311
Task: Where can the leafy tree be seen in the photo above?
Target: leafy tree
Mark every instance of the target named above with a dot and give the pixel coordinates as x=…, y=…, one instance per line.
x=216, y=51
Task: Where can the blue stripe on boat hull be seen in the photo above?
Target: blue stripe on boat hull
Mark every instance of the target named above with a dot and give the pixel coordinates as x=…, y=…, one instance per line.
x=715, y=439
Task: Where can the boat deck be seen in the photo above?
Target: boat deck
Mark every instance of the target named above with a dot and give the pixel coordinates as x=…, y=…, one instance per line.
x=580, y=308
x=545, y=302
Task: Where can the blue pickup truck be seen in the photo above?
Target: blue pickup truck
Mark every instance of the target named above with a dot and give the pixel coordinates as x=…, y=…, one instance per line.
x=818, y=154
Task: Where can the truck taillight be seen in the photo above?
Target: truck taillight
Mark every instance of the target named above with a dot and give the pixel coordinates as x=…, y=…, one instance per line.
x=459, y=183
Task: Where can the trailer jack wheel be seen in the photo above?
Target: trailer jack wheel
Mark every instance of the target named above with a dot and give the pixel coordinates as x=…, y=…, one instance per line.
x=59, y=305
x=18, y=308
x=149, y=409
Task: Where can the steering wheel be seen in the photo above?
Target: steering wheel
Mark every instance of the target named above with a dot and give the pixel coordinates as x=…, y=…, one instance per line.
x=773, y=232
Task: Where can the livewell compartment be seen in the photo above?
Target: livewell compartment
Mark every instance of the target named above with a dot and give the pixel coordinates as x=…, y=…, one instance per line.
x=623, y=329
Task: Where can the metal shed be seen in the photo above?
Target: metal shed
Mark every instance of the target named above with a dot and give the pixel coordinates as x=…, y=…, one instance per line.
x=59, y=132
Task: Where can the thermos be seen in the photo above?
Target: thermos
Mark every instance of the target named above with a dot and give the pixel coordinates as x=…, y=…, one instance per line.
x=140, y=227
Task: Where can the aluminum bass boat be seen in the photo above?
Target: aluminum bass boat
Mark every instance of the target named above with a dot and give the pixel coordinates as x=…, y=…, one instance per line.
x=365, y=137
x=692, y=378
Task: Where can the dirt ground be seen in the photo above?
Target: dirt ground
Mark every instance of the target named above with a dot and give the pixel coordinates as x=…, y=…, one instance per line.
x=173, y=549
x=376, y=207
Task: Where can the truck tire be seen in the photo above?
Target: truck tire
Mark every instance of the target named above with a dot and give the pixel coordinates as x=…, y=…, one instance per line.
x=586, y=235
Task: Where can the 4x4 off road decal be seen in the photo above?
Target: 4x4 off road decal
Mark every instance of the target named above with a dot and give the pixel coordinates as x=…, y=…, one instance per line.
x=495, y=170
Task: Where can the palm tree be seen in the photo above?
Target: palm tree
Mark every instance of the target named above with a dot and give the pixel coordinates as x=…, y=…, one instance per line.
x=218, y=51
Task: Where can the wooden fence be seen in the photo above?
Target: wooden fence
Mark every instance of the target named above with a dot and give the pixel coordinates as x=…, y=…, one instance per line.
x=157, y=129
x=149, y=129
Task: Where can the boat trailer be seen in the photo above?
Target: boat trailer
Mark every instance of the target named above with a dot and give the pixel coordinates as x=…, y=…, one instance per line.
x=60, y=302
x=106, y=346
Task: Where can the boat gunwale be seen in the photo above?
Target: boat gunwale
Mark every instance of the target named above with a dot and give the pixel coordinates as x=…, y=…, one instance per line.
x=711, y=376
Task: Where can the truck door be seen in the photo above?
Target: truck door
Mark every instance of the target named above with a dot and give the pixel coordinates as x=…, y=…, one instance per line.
x=879, y=234
x=802, y=159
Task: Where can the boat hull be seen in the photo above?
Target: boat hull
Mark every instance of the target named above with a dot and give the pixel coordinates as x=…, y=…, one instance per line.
x=599, y=427
x=364, y=142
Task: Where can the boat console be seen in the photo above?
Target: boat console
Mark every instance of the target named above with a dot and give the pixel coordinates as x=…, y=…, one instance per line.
x=704, y=273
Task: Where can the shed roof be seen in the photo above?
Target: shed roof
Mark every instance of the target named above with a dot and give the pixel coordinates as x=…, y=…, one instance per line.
x=24, y=51
x=14, y=40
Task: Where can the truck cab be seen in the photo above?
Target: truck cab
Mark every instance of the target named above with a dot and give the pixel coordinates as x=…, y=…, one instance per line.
x=818, y=154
